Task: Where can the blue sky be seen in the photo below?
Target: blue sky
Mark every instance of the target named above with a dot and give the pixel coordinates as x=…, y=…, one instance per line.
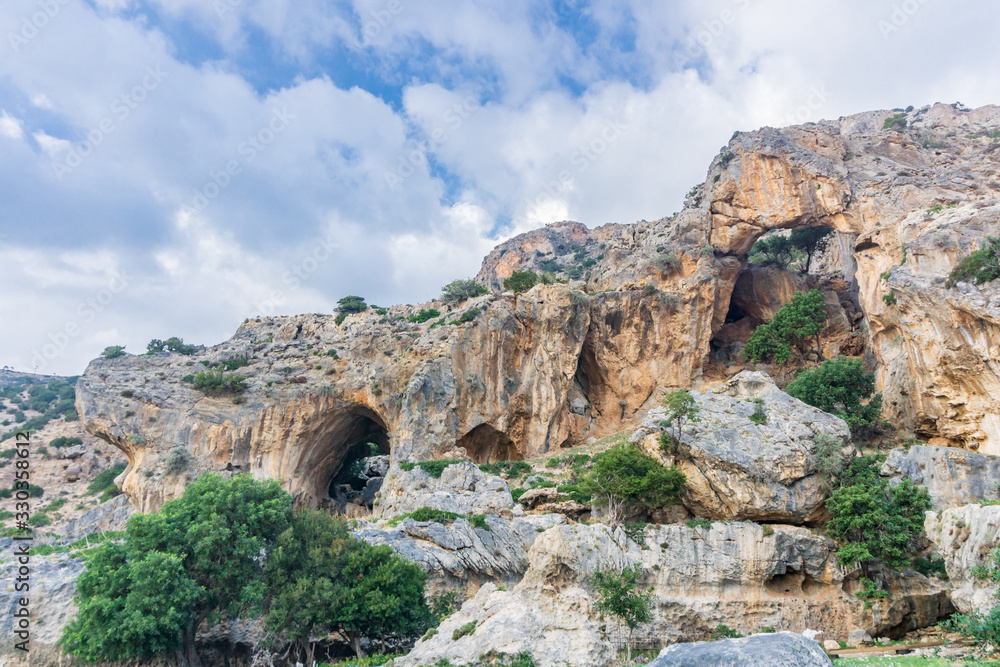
x=171, y=167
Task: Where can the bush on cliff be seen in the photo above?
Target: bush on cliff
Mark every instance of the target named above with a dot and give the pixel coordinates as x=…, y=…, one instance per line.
x=624, y=477
x=875, y=523
x=197, y=559
x=980, y=267
x=842, y=387
x=799, y=321
x=460, y=290
x=325, y=581
x=521, y=281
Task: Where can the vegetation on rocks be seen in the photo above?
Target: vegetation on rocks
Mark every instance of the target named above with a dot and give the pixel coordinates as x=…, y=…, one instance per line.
x=521, y=281
x=349, y=305
x=842, y=387
x=113, y=352
x=875, y=523
x=983, y=628
x=980, y=267
x=681, y=407
x=216, y=383
x=624, y=477
x=619, y=596
x=172, y=345
x=799, y=321
x=460, y=290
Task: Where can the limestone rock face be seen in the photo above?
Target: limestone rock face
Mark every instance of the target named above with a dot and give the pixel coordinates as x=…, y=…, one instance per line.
x=729, y=573
x=954, y=477
x=964, y=536
x=528, y=373
x=737, y=469
x=780, y=649
x=462, y=488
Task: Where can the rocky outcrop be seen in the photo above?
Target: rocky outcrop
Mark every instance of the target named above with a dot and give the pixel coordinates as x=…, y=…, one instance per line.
x=965, y=536
x=954, y=477
x=462, y=488
x=109, y=516
x=738, y=469
x=461, y=556
x=508, y=376
x=732, y=573
x=780, y=649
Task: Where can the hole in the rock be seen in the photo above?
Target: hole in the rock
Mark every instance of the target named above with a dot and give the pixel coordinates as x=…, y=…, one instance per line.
x=789, y=583
x=587, y=372
x=735, y=313
x=485, y=444
x=353, y=474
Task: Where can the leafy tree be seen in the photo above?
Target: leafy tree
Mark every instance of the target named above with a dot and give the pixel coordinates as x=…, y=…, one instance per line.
x=460, y=290
x=348, y=306
x=776, y=250
x=875, y=523
x=681, y=407
x=798, y=321
x=980, y=267
x=842, y=387
x=113, y=352
x=197, y=559
x=521, y=281
x=325, y=581
x=618, y=595
x=173, y=344
x=623, y=476
x=810, y=241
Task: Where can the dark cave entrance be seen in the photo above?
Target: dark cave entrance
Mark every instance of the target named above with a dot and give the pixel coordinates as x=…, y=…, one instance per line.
x=485, y=444
x=353, y=476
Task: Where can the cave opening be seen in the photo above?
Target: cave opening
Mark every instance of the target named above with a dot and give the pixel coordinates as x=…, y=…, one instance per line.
x=349, y=473
x=486, y=444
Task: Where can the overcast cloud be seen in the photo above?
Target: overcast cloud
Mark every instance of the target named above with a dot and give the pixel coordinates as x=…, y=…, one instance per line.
x=171, y=167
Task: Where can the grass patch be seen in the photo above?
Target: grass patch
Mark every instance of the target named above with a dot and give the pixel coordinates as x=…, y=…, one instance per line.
x=432, y=468
x=512, y=469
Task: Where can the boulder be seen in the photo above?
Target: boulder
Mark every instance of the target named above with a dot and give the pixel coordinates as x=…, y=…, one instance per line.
x=831, y=645
x=534, y=497
x=779, y=649
x=109, y=516
x=462, y=488
x=954, y=477
x=859, y=638
x=737, y=469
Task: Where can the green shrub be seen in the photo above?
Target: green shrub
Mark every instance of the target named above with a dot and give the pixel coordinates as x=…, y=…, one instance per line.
x=932, y=565
x=681, y=407
x=460, y=290
x=521, y=281
x=798, y=321
x=513, y=469
x=479, y=521
x=624, y=476
x=177, y=462
x=215, y=383
x=870, y=590
x=843, y=387
x=467, y=316
x=65, y=441
x=105, y=479
x=768, y=531
x=432, y=468
x=980, y=267
x=889, y=299
x=759, y=415
x=113, y=352
x=575, y=493
x=464, y=630
x=699, y=523
x=173, y=345
x=895, y=122
x=666, y=264
x=427, y=514
x=233, y=364
x=517, y=493
x=39, y=519
x=873, y=522
x=424, y=315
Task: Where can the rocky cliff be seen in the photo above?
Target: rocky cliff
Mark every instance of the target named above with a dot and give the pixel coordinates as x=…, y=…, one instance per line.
x=643, y=307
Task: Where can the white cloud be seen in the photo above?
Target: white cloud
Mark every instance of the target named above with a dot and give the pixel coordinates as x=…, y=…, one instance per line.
x=348, y=197
x=10, y=127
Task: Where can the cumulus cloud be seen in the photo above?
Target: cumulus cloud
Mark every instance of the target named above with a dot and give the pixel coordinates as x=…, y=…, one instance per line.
x=242, y=157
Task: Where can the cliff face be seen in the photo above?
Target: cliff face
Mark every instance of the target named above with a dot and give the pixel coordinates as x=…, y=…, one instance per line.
x=645, y=307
